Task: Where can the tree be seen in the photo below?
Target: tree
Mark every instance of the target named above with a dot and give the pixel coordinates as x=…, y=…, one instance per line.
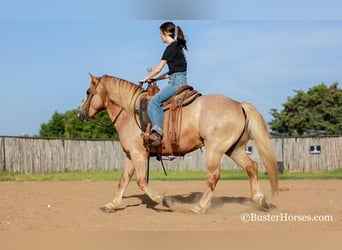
x=55, y=126
x=75, y=128
x=320, y=108
x=68, y=125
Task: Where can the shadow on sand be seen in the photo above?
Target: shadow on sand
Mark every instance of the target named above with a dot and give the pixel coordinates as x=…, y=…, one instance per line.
x=189, y=198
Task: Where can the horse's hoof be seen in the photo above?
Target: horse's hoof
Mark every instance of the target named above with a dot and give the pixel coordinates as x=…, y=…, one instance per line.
x=264, y=203
x=198, y=210
x=107, y=209
x=167, y=201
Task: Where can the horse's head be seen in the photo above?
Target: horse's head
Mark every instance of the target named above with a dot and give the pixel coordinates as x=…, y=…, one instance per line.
x=95, y=100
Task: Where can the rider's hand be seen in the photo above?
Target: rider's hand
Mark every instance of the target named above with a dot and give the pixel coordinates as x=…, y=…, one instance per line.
x=143, y=80
x=147, y=80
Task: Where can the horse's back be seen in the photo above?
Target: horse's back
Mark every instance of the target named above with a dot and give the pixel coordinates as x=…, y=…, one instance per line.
x=213, y=115
x=220, y=98
x=215, y=104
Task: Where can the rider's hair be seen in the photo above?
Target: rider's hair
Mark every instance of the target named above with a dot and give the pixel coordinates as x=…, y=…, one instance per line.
x=172, y=30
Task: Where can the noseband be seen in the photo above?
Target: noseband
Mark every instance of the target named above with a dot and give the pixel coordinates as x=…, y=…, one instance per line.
x=85, y=114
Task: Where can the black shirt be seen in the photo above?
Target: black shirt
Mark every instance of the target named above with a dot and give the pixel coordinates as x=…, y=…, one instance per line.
x=175, y=58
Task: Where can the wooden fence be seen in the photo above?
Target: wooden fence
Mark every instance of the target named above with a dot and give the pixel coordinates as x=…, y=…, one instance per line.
x=34, y=155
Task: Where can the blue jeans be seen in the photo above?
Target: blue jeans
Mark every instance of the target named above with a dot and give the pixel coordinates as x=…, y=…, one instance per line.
x=155, y=110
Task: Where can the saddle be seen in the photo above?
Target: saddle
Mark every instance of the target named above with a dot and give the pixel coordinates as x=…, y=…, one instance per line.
x=183, y=97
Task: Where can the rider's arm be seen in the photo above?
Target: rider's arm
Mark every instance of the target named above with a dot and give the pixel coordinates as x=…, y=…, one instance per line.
x=155, y=71
x=162, y=77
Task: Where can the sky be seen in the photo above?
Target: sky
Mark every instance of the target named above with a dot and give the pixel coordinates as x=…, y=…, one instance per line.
x=256, y=51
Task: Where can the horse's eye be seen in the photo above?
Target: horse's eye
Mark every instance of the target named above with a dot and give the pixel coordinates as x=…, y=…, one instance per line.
x=88, y=92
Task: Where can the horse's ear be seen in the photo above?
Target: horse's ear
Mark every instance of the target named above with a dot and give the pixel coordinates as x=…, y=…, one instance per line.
x=94, y=79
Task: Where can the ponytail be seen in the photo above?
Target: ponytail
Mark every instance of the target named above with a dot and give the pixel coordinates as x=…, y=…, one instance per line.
x=180, y=38
x=171, y=29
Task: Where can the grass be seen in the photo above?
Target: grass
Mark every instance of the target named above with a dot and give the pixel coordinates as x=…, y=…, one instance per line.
x=159, y=175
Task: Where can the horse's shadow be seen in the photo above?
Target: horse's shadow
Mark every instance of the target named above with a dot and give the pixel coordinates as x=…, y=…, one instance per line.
x=189, y=198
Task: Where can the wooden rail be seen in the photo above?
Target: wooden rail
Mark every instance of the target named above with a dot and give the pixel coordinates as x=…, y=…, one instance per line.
x=36, y=155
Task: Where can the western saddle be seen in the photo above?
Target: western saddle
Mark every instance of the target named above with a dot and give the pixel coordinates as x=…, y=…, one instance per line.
x=184, y=96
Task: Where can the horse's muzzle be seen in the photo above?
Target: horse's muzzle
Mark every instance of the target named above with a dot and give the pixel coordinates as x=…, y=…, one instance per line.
x=83, y=116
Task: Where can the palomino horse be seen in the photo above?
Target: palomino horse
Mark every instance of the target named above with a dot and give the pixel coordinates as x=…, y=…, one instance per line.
x=217, y=122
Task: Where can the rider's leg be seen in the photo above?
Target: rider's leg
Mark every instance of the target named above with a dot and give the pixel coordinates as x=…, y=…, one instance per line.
x=155, y=110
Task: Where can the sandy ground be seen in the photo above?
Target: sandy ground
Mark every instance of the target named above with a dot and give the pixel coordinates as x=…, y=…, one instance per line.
x=302, y=206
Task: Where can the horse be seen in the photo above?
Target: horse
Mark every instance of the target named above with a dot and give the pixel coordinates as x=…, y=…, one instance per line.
x=214, y=121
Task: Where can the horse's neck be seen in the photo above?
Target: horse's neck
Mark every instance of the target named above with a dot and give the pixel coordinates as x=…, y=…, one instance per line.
x=116, y=114
x=122, y=93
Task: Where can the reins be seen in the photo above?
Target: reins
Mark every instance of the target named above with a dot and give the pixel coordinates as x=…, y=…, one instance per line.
x=98, y=123
x=106, y=126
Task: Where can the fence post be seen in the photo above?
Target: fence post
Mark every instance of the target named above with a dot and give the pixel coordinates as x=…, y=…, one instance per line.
x=2, y=155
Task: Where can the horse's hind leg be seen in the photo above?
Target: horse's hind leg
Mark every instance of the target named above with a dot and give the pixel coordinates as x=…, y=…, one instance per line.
x=240, y=157
x=123, y=183
x=213, y=165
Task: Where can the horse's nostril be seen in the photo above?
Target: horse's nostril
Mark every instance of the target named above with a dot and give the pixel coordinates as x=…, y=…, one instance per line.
x=82, y=116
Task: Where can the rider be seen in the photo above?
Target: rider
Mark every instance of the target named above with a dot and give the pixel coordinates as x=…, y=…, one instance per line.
x=174, y=57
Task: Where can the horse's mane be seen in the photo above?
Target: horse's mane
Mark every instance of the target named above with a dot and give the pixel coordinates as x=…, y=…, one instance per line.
x=130, y=89
x=117, y=79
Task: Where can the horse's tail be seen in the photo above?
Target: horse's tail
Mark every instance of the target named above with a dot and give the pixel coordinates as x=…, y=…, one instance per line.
x=256, y=127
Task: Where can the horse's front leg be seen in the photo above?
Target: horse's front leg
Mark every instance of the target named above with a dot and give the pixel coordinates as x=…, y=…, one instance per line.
x=140, y=163
x=126, y=176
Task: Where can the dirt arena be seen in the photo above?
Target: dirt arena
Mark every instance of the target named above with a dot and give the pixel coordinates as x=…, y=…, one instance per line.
x=302, y=205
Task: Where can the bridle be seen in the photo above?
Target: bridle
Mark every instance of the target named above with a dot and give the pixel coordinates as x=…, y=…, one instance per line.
x=85, y=114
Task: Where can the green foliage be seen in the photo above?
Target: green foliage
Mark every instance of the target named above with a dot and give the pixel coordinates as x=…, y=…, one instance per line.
x=319, y=109
x=54, y=128
x=68, y=125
